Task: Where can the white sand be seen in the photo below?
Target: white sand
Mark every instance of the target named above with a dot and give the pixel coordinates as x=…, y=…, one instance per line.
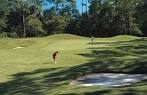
x=109, y=79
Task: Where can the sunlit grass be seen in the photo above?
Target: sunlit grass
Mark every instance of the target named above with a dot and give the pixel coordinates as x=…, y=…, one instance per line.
x=30, y=70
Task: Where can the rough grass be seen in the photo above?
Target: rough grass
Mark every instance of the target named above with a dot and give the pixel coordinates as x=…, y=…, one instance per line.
x=30, y=70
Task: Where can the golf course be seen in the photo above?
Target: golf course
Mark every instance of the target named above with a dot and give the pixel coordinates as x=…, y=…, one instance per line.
x=27, y=66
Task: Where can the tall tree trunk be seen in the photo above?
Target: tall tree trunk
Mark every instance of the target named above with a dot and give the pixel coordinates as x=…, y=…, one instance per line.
x=23, y=19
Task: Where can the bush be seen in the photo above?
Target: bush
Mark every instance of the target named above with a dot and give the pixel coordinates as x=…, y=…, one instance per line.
x=3, y=34
x=34, y=26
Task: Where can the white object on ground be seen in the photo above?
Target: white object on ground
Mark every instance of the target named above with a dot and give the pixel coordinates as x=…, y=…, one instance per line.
x=109, y=79
x=18, y=47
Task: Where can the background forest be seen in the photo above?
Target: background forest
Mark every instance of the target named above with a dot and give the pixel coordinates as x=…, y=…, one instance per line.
x=103, y=18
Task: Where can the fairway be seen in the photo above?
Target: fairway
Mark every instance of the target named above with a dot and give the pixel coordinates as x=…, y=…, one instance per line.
x=27, y=68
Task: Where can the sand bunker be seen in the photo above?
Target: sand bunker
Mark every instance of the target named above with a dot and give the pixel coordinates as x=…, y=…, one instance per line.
x=109, y=79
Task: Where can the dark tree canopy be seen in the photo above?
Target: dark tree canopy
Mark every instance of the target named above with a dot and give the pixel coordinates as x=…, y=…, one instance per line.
x=104, y=18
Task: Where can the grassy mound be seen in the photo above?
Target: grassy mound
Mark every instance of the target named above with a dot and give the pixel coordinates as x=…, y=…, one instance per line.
x=10, y=43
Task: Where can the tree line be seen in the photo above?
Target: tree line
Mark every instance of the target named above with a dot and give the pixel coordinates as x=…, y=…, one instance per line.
x=104, y=18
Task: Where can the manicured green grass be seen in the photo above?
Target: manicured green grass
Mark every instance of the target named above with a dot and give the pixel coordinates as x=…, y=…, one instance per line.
x=30, y=70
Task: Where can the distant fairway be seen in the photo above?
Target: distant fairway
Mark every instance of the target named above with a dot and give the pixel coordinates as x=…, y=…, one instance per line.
x=29, y=70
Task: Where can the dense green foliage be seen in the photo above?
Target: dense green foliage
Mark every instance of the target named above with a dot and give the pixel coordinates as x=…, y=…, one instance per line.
x=104, y=18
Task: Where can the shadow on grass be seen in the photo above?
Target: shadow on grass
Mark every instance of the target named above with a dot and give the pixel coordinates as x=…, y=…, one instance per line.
x=40, y=81
x=129, y=93
x=128, y=56
x=90, y=93
x=104, y=92
x=50, y=81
